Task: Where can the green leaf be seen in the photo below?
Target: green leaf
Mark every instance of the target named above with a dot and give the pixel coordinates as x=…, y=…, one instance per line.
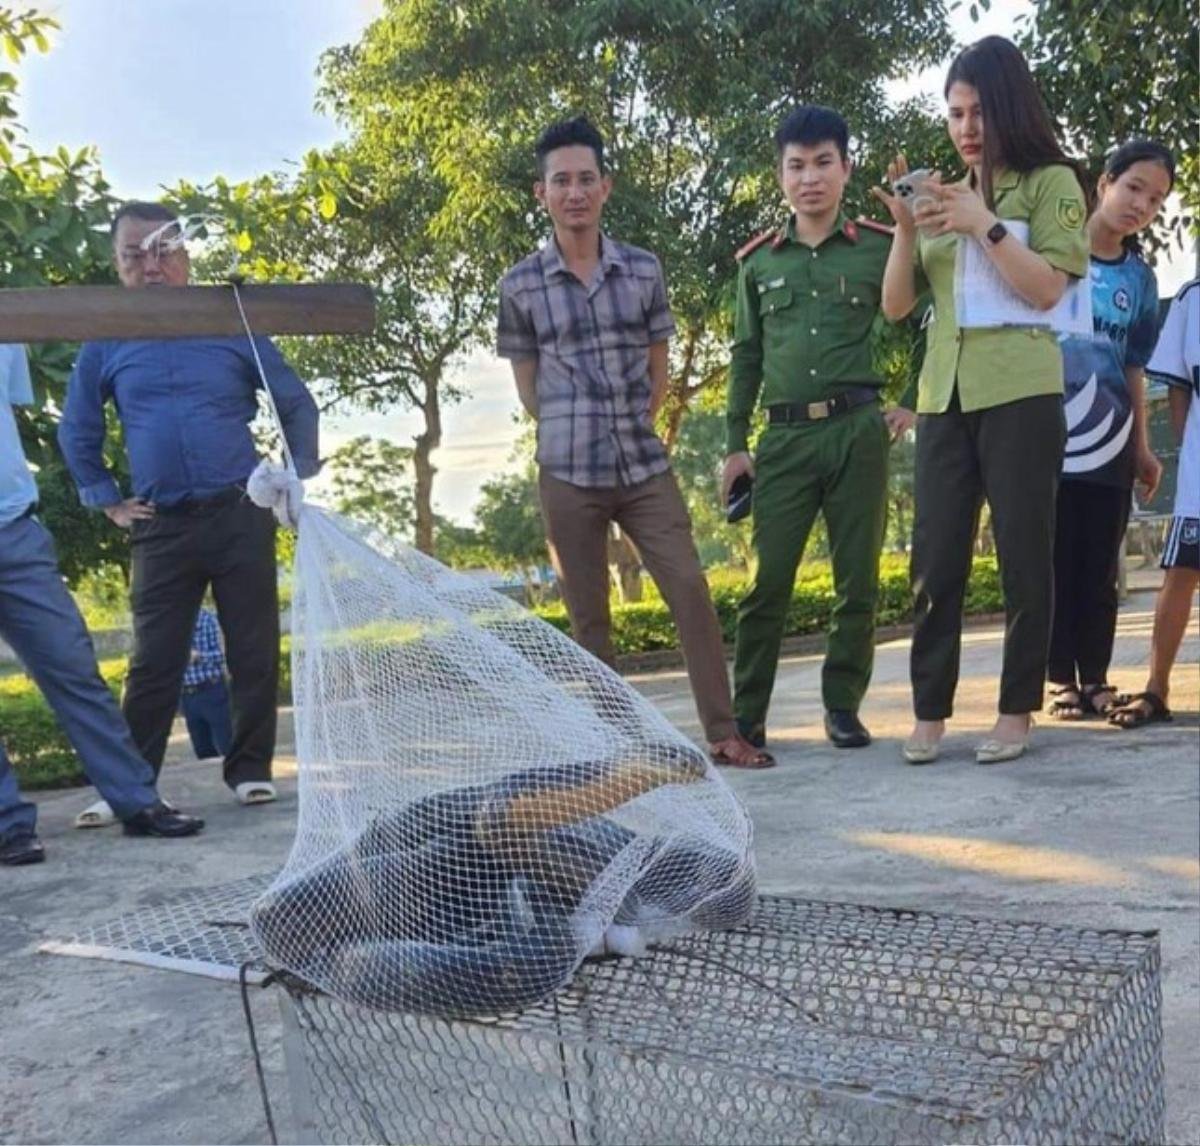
x=327, y=205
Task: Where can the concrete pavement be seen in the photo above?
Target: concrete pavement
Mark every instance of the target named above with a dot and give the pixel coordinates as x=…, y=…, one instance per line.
x=1097, y=827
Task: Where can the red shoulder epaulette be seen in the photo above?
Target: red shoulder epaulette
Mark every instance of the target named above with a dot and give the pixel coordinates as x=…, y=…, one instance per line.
x=755, y=243
x=877, y=227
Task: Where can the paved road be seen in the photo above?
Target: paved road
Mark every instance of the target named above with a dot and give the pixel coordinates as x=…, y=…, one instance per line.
x=1095, y=828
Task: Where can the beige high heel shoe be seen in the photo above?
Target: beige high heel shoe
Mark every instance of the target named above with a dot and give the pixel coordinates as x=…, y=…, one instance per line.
x=915, y=752
x=993, y=751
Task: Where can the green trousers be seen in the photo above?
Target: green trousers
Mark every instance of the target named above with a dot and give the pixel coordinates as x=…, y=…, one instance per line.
x=839, y=468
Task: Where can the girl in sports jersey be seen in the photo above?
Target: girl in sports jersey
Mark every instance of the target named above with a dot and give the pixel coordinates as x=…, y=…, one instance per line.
x=1107, y=447
x=1177, y=362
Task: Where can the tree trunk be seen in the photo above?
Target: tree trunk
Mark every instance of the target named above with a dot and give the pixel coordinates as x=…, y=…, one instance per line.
x=676, y=406
x=423, y=468
x=625, y=563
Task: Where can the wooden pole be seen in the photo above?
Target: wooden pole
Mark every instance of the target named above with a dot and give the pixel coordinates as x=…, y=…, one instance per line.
x=88, y=313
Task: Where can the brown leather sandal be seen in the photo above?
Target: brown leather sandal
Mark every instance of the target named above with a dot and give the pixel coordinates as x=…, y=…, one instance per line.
x=738, y=753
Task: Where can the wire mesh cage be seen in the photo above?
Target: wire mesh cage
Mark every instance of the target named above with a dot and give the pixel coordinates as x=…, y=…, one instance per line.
x=815, y=1022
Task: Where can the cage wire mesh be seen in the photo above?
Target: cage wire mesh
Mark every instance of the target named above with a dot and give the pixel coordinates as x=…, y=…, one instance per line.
x=482, y=803
x=205, y=932
x=815, y=1022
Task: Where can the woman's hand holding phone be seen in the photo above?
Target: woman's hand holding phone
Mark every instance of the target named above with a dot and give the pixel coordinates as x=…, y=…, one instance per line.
x=910, y=193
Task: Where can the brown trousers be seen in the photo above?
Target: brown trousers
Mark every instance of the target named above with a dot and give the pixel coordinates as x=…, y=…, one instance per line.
x=653, y=516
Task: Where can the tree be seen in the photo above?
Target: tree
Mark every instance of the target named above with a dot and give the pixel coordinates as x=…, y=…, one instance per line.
x=695, y=460
x=459, y=546
x=54, y=211
x=369, y=482
x=687, y=92
x=357, y=212
x=1114, y=69
x=510, y=525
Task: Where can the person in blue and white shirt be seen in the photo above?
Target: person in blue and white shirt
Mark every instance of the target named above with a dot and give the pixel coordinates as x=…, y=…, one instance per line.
x=205, y=697
x=41, y=623
x=1177, y=362
x=1107, y=448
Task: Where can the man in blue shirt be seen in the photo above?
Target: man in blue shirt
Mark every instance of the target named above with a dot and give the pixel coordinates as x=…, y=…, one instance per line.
x=185, y=406
x=41, y=623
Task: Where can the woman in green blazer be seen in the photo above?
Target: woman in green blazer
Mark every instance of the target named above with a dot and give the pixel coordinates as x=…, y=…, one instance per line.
x=990, y=414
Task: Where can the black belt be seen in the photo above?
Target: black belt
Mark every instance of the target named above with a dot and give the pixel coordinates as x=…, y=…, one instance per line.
x=229, y=496
x=818, y=411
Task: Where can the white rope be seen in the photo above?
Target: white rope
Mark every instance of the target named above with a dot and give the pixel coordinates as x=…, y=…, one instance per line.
x=287, y=453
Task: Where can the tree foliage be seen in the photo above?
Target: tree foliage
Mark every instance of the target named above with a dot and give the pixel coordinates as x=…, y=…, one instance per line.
x=687, y=92
x=1114, y=69
x=369, y=481
x=354, y=213
x=510, y=524
x=54, y=211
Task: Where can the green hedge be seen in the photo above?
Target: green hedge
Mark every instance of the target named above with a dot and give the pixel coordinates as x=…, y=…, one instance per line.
x=647, y=625
x=35, y=743
x=44, y=758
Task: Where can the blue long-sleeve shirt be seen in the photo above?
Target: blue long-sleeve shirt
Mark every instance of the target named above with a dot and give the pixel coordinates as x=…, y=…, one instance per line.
x=185, y=406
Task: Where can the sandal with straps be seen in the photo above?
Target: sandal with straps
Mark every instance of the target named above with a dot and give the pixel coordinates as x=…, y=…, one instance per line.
x=1089, y=692
x=1062, y=707
x=1141, y=708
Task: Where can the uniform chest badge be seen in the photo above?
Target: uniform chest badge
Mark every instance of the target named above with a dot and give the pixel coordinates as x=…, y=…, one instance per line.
x=1121, y=299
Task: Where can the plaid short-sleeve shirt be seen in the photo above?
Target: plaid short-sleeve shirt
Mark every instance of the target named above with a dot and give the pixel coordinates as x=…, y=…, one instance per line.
x=592, y=343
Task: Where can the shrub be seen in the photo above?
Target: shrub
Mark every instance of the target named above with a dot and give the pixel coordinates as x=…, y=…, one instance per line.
x=647, y=626
x=44, y=758
x=37, y=746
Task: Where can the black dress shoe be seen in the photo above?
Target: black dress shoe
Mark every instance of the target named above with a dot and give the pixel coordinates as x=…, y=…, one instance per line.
x=159, y=820
x=21, y=849
x=754, y=734
x=845, y=730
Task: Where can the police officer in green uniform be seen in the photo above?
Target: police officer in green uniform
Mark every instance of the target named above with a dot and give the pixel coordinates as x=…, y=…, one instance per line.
x=808, y=296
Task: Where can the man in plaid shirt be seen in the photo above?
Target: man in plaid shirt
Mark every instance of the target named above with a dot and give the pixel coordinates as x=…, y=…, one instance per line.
x=205, y=698
x=586, y=325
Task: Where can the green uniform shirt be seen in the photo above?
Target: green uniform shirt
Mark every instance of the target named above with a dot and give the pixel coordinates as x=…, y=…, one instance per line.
x=803, y=324
x=996, y=365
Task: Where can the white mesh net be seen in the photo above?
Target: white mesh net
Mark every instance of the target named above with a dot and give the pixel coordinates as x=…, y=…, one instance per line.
x=483, y=805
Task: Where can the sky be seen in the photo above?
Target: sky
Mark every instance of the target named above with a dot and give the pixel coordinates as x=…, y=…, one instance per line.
x=188, y=89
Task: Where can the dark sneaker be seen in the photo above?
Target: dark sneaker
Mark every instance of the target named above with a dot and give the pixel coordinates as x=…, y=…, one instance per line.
x=164, y=821
x=21, y=848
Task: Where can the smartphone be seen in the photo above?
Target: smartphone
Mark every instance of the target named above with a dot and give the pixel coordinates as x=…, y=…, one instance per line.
x=911, y=188
x=741, y=496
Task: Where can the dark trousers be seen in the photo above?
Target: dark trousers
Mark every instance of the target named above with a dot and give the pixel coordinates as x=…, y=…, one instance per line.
x=1011, y=455
x=1090, y=523
x=209, y=725
x=176, y=556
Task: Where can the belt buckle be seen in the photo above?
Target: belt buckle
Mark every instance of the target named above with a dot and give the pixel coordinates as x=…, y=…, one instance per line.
x=817, y=411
